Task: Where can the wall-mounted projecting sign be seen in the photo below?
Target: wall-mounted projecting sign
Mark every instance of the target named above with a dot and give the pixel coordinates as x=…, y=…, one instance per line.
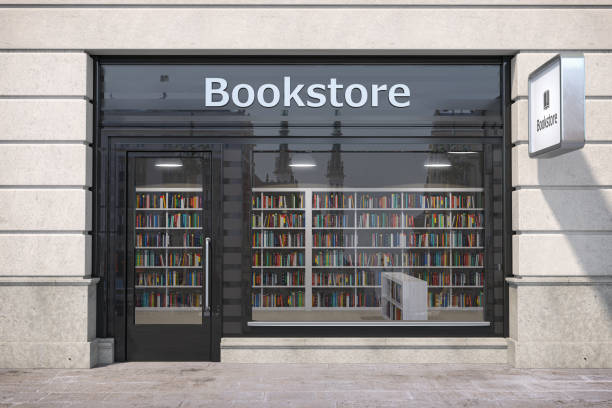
x=556, y=106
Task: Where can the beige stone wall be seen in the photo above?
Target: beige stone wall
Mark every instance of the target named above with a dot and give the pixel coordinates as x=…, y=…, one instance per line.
x=561, y=206
x=48, y=315
x=562, y=215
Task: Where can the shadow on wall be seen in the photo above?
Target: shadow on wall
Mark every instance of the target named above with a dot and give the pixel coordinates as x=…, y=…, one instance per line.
x=580, y=219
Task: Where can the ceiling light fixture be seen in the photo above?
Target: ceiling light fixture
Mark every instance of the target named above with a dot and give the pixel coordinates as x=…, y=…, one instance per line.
x=437, y=160
x=302, y=160
x=169, y=163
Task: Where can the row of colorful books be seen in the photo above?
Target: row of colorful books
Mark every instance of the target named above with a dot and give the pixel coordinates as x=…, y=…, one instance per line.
x=157, y=239
x=162, y=239
x=278, y=278
x=284, y=200
x=184, y=220
x=152, y=200
x=445, y=299
x=385, y=220
x=435, y=278
x=181, y=200
x=426, y=258
x=276, y=239
x=332, y=200
x=421, y=239
x=322, y=200
x=397, y=200
x=151, y=279
x=344, y=278
x=472, y=278
x=173, y=299
x=330, y=278
x=333, y=239
x=185, y=278
x=172, y=221
x=466, y=201
x=146, y=258
x=149, y=220
x=336, y=298
x=184, y=259
x=291, y=299
x=392, y=200
x=332, y=258
x=180, y=299
x=149, y=258
x=161, y=200
x=378, y=259
x=276, y=259
x=278, y=220
x=332, y=220
x=323, y=297
x=172, y=278
x=367, y=299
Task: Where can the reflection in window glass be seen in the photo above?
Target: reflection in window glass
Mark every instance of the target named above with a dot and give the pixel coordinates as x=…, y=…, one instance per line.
x=167, y=235
x=369, y=233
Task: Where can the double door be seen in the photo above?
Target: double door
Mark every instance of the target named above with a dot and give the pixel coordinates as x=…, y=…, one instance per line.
x=172, y=220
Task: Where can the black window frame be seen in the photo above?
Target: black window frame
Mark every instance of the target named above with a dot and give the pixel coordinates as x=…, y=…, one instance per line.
x=105, y=306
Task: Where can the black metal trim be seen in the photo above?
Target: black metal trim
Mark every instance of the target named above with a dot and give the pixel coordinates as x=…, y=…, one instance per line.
x=507, y=189
x=102, y=144
x=309, y=60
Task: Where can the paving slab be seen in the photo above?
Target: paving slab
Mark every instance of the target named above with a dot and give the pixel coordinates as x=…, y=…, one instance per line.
x=220, y=385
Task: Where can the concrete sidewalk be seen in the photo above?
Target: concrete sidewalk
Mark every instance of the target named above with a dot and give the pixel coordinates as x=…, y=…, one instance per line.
x=304, y=385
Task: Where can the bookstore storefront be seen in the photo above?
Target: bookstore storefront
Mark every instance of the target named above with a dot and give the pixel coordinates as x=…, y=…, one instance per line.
x=308, y=198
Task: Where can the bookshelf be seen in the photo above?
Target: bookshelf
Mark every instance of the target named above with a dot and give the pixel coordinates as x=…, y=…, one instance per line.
x=168, y=240
x=352, y=236
x=278, y=260
x=404, y=297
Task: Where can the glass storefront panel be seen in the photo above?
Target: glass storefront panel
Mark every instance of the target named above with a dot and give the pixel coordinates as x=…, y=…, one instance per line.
x=167, y=213
x=357, y=212
x=355, y=232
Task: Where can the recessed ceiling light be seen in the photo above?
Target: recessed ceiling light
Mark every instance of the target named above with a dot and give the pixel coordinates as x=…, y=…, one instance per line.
x=169, y=163
x=437, y=160
x=302, y=160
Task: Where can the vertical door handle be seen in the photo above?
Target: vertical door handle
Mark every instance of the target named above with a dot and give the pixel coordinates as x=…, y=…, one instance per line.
x=207, y=278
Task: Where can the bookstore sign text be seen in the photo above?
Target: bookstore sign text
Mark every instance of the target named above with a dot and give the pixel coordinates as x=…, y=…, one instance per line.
x=556, y=106
x=218, y=93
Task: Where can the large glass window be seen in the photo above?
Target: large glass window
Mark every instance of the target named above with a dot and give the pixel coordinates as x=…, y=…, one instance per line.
x=167, y=215
x=387, y=233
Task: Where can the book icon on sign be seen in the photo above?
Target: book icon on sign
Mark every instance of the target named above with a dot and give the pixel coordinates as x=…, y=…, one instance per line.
x=546, y=99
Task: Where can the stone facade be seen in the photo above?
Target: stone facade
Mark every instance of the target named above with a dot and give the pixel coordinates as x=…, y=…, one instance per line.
x=560, y=297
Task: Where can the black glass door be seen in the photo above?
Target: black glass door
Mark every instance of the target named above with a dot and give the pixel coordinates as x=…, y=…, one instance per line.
x=168, y=256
